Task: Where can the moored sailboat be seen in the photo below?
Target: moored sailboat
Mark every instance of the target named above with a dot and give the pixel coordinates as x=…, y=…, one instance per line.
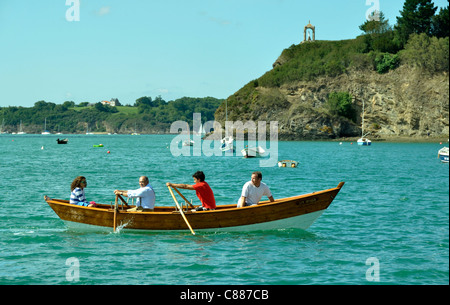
x=21, y=129
x=363, y=141
x=45, y=132
x=253, y=152
x=227, y=143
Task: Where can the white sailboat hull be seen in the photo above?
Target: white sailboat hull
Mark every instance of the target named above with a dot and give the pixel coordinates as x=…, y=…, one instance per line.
x=364, y=142
x=253, y=152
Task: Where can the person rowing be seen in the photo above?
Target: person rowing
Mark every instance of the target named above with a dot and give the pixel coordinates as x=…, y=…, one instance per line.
x=145, y=196
x=202, y=190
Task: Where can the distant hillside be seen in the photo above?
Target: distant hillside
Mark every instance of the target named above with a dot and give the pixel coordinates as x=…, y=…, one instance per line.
x=147, y=116
x=316, y=90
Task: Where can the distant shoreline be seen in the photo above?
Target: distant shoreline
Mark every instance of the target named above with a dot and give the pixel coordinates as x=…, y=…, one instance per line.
x=399, y=139
x=388, y=139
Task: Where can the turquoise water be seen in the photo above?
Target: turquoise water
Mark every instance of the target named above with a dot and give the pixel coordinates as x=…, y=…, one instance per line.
x=393, y=210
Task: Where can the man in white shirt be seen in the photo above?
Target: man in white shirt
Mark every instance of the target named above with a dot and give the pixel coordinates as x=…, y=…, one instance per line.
x=145, y=196
x=253, y=191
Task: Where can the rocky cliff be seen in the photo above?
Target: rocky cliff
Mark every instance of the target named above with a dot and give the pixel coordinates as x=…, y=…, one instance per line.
x=401, y=103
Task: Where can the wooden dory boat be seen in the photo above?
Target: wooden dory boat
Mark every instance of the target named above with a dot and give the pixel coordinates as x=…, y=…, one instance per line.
x=294, y=212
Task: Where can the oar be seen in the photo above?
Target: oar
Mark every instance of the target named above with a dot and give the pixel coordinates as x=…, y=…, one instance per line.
x=190, y=204
x=115, y=213
x=181, y=211
x=123, y=201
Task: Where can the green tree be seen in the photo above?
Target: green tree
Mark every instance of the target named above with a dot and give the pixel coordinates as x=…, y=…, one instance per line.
x=377, y=24
x=416, y=17
x=103, y=108
x=145, y=100
x=430, y=54
x=340, y=103
x=379, y=35
x=440, y=24
x=69, y=104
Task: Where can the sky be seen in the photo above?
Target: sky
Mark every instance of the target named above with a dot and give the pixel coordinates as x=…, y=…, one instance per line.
x=94, y=50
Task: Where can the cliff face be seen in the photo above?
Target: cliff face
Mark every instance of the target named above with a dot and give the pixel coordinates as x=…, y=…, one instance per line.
x=400, y=103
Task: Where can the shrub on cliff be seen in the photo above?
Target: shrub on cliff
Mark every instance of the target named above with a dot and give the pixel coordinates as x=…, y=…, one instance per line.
x=385, y=62
x=430, y=54
x=340, y=103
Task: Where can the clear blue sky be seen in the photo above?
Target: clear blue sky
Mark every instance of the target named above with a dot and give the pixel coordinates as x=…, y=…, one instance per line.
x=173, y=48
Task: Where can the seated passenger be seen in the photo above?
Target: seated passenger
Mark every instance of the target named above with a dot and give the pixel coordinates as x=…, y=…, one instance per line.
x=253, y=190
x=77, y=195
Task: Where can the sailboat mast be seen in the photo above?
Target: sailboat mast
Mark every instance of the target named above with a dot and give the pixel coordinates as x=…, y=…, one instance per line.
x=226, y=111
x=362, y=125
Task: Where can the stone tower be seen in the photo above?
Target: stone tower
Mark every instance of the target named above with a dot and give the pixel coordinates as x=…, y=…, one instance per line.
x=309, y=26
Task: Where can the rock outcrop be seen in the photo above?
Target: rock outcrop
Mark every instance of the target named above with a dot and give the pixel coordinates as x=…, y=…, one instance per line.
x=400, y=103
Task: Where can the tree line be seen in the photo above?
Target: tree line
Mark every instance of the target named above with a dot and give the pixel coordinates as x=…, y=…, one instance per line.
x=147, y=115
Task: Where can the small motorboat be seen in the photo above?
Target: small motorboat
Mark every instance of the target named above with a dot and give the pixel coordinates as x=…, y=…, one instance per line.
x=62, y=141
x=287, y=163
x=443, y=154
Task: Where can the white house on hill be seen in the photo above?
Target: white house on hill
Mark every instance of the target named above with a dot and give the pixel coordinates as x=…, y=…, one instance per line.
x=112, y=103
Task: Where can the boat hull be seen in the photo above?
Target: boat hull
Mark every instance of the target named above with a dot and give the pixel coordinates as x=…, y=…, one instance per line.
x=302, y=222
x=254, y=152
x=444, y=158
x=287, y=163
x=443, y=154
x=364, y=142
x=294, y=212
x=227, y=150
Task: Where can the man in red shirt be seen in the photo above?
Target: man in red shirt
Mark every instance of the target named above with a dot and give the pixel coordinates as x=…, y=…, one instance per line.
x=202, y=189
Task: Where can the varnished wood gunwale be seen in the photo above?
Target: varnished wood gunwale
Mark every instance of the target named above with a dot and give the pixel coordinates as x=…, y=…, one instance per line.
x=168, y=218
